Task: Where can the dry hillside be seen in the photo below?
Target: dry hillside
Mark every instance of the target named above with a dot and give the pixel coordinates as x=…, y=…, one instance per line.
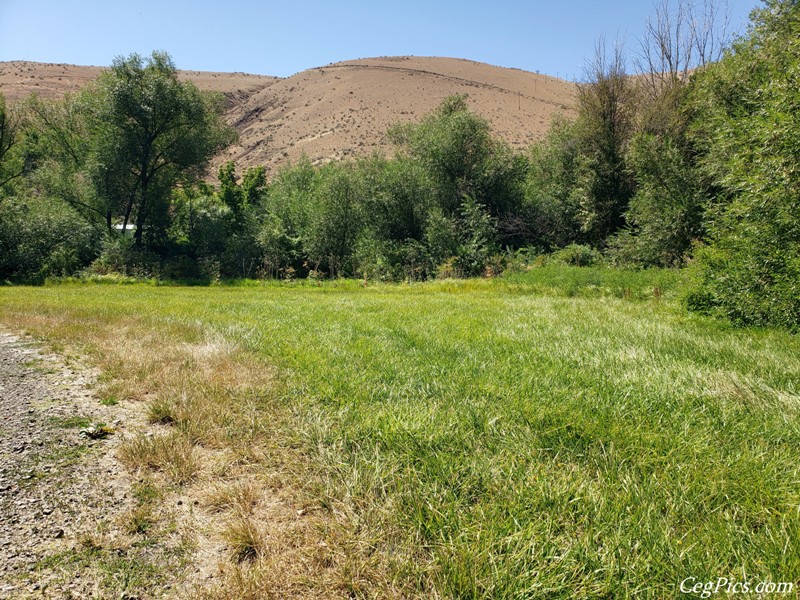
x=19, y=79
x=341, y=109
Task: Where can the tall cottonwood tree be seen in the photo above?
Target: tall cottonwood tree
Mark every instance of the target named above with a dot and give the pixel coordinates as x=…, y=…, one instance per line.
x=116, y=150
x=59, y=146
x=150, y=130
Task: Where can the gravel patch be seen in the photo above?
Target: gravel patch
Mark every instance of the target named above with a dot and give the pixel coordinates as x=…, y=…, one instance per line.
x=58, y=485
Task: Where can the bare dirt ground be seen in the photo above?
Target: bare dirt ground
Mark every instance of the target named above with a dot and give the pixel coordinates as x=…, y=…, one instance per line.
x=58, y=486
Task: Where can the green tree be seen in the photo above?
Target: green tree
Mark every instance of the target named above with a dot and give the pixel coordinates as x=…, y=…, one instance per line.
x=116, y=151
x=479, y=232
x=242, y=252
x=242, y=197
x=287, y=211
x=399, y=195
x=337, y=220
x=665, y=215
x=11, y=158
x=605, y=122
x=151, y=131
x=451, y=144
x=455, y=148
x=748, y=115
x=41, y=237
x=552, y=198
x=59, y=147
x=229, y=191
x=254, y=185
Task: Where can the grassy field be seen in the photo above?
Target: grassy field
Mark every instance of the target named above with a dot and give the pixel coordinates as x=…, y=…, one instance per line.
x=559, y=433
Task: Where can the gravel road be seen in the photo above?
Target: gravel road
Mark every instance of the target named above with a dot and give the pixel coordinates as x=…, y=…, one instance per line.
x=57, y=485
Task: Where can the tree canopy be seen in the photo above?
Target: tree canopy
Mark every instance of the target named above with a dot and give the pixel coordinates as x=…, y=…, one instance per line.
x=11, y=160
x=749, y=121
x=150, y=131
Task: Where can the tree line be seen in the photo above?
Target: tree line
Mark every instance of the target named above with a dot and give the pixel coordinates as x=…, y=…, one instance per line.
x=691, y=162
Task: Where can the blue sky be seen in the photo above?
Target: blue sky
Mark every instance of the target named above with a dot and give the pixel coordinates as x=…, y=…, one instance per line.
x=284, y=37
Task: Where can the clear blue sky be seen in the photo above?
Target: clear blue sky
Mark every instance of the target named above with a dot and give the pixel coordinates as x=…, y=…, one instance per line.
x=283, y=37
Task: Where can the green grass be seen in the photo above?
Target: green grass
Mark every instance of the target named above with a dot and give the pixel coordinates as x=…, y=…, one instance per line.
x=118, y=572
x=559, y=433
x=72, y=422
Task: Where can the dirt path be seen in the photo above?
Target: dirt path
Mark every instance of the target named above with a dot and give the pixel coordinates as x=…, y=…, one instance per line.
x=76, y=523
x=58, y=487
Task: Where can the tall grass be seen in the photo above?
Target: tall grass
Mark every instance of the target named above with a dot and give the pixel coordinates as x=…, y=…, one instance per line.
x=559, y=433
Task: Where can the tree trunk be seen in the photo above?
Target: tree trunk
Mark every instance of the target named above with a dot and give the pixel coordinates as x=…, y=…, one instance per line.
x=142, y=212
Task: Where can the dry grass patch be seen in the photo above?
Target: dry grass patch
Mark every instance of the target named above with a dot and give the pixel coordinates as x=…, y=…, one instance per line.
x=280, y=553
x=171, y=453
x=138, y=520
x=195, y=412
x=213, y=442
x=244, y=537
x=241, y=496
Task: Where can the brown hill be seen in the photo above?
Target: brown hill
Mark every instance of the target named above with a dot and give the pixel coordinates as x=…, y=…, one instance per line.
x=342, y=109
x=19, y=79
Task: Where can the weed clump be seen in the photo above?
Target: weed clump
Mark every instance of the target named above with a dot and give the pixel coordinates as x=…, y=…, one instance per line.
x=170, y=453
x=246, y=541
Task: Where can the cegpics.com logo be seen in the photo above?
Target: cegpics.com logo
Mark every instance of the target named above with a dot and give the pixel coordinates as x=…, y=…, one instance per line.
x=723, y=585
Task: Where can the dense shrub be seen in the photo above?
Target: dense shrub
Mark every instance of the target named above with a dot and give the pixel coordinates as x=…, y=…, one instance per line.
x=749, y=117
x=666, y=213
x=549, y=218
x=576, y=255
x=40, y=238
x=120, y=255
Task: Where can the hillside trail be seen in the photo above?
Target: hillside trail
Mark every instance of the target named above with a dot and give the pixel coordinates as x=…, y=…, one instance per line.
x=58, y=486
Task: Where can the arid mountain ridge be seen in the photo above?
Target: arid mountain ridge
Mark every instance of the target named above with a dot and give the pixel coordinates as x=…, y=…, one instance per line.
x=342, y=109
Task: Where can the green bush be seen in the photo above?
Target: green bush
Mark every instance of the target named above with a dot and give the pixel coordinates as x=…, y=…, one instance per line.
x=478, y=245
x=41, y=238
x=552, y=199
x=749, y=115
x=379, y=260
x=666, y=212
x=577, y=255
x=121, y=256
